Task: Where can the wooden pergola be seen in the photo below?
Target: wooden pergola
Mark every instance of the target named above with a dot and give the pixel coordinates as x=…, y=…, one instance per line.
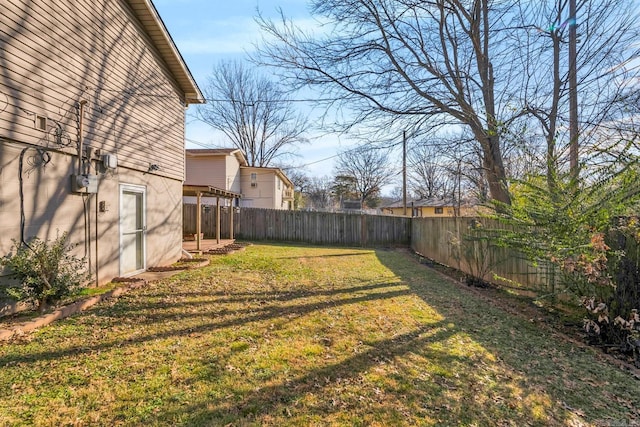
x=200, y=191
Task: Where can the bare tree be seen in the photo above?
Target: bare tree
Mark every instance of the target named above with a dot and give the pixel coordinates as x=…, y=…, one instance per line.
x=301, y=183
x=608, y=33
x=486, y=65
x=426, y=172
x=253, y=112
x=319, y=193
x=449, y=165
x=397, y=193
x=464, y=180
x=406, y=64
x=368, y=169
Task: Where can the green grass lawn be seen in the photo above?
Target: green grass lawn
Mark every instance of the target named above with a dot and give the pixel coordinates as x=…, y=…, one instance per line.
x=291, y=335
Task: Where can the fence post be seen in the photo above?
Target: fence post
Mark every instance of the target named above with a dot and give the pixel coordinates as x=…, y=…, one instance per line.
x=363, y=231
x=218, y=222
x=231, y=212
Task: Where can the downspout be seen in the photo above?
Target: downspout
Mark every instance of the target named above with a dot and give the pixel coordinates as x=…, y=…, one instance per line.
x=97, y=258
x=80, y=170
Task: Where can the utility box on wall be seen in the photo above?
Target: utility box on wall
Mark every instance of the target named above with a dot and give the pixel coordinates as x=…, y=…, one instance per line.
x=110, y=161
x=85, y=183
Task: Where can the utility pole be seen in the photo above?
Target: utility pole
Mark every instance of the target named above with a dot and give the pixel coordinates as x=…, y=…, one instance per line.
x=573, y=93
x=404, y=172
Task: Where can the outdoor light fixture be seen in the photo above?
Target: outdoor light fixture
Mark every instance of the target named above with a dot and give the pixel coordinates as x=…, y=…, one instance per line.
x=153, y=167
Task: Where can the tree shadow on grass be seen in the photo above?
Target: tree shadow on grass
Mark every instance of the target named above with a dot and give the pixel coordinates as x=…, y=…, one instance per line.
x=451, y=372
x=466, y=363
x=509, y=372
x=235, y=297
x=275, y=400
x=567, y=379
x=340, y=255
x=220, y=319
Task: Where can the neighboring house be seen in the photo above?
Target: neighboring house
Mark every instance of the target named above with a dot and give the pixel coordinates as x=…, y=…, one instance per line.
x=92, y=99
x=431, y=207
x=227, y=169
x=267, y=188
x=217, y=167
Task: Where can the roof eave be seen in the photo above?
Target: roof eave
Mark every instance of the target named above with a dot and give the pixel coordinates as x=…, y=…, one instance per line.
x=150, y=19
x=284, y=177
x=237, y=153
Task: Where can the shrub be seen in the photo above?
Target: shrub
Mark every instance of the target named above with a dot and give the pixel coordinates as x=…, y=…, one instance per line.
x=614, y=320
x=45, y=270
x=569, y=226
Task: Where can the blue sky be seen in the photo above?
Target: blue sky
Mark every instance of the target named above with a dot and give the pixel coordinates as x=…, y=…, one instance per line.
x=208, y=31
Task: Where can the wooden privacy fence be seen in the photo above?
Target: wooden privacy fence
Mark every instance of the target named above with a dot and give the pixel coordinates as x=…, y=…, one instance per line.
x=453, y=242
x=317, y=228
x=448, y=241
x=208, y=221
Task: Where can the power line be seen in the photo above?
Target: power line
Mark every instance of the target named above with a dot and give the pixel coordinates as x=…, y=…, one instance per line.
x=359, y=147
x=201, y=144
x=248, y=103
x=251, y=103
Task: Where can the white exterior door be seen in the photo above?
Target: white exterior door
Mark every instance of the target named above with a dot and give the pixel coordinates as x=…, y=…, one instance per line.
x=133, y=229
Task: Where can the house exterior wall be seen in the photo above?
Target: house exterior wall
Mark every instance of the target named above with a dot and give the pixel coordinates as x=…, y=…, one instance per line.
x=53, y=54
x=220, y=171
x=207, y=170
x=397, y=211
x=277, y=191
x=228, y=171
x=263, y=195
x=433, y=211
x=233, y=174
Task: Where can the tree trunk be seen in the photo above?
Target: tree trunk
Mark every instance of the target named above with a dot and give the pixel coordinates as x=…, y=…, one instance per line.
x=493, y=165
x=489, y=139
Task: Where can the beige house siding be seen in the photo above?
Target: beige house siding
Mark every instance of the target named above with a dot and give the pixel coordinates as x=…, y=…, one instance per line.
x=262, y=194
x=54, y=54
x=220, y=171
x=265, y=194
x=233, y=183
x=206, y=171
x=277, y=193
x=217, y=170
x=227, y=169
x=59, y=52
